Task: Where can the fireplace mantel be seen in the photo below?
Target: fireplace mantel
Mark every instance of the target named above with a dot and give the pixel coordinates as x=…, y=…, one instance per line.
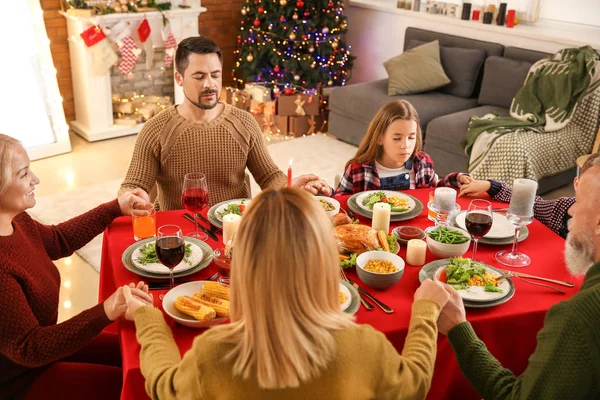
x=92, y=93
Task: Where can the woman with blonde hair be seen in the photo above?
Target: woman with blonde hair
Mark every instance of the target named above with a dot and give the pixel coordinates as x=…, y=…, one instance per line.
x=40, y=358
x=287, y=337
x=391, y=156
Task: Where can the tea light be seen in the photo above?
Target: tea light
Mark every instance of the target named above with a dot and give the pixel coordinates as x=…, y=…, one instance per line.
x=523, y=197
x=444, y=199
x=230, y=226
x=415, y=252
x=381, y=217
x=289, y=174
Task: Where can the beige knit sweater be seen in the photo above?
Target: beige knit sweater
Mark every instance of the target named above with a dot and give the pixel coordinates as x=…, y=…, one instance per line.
x=169, y=146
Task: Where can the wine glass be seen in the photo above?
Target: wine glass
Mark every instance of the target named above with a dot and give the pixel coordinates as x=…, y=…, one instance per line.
x=478, y=221
x=170, y=248
x=195, y=198
x=520, y=213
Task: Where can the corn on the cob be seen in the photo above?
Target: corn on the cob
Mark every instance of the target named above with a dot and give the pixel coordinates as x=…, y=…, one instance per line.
x=216, y=289
x=194, y=308
x=221, y=306
x=383, y=240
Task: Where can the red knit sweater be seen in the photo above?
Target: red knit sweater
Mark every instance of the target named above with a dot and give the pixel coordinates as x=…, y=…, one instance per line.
x=30, y=338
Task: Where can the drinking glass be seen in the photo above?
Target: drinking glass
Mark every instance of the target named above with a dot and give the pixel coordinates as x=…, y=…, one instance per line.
x=170, y=248
x=520, y=213
x=144, y=226
x=478, y=221
x=195, y=198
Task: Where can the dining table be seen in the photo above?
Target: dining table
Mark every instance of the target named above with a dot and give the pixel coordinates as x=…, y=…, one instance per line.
x=508, y=330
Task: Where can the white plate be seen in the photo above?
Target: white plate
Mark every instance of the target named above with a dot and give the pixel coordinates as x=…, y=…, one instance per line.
x=348, y=301
x=222, y=207
x=388, y=193
x=501, y=226
x=186, y=289
x=477, y=293
x=158, y=268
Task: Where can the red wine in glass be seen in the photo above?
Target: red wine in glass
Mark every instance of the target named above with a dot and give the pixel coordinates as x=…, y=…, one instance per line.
x=170, y=248
x=195, y=198
x=478, y=224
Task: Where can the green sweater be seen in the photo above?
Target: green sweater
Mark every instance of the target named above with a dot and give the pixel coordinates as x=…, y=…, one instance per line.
x=565, y=364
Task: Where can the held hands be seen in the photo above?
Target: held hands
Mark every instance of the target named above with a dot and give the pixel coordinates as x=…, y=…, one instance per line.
x=474, y=188
x=432, y=290
x=453, y=312
x=135, y=202
x=312, y=184
x=133, y=302
x=116, y=304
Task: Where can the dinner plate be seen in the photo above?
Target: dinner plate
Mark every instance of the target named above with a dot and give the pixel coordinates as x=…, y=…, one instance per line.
x=415, y=212
x=459, y=220
x=501, y=226
x=213, y=216
x=186, y=289
x=348, y=301
x=388, y=193
x=478, y=293
x=157, y=268
x=355, y=302
x=430, y=270
x=207, y=256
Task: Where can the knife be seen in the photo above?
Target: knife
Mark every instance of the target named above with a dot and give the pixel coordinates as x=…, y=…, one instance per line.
x=208, y=232
x=385, y=308
x=522, y=275
x=212, y=227
x=162, y=285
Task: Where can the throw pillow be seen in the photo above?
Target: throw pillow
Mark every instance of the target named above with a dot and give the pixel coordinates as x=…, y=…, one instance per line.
x=502, y=79
x=462, y=67
x=416, y=70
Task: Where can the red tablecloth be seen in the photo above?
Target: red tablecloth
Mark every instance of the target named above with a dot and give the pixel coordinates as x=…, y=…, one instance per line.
x=509, y=330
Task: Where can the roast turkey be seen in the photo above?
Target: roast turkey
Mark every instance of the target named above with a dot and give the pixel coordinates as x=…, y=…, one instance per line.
x=353, y=238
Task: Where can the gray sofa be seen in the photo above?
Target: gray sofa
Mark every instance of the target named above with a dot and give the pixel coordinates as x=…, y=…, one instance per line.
x=485, y=77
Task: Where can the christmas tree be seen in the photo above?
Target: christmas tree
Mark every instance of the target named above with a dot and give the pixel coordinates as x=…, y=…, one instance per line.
x=298, y=44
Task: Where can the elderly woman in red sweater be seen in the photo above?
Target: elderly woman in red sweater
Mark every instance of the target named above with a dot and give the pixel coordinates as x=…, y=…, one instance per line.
x=38, y=357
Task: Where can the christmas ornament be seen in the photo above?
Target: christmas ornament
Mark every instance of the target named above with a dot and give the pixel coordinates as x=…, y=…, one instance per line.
x=292, y=36
x=256, y=23
x=103, y=55
x=283, y=2
x=311, y=49
x=325, y=30
x=276, y=68
x=300, y=4
x=249, y=57
x=243, y=11
x=306, y=14
x=261, y=10
x=334, y=45
x=170, y=44
x=330, y=5
x=303, y=37
x=295, y=16
x=296, y=77
x=288, y=91
x=330, y=82
x=282, y=18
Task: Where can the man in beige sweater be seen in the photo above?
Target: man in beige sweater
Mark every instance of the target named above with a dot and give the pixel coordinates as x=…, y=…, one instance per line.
x=204, y=135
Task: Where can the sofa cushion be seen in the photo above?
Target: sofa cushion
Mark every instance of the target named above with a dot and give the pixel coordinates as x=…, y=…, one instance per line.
x=361, y=101
x=502, y=79
x=491, y=49
x=416, y=70
x=461, y=65
x=517, y=53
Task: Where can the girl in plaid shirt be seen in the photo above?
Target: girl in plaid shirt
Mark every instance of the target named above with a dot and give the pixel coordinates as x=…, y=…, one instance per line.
x=390, y=156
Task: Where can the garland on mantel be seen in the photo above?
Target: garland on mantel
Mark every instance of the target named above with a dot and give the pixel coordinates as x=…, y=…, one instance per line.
x=104, y=7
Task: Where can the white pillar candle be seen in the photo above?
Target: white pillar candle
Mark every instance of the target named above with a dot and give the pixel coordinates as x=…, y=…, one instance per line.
x=381, y=217
x=523, y=197
x=415, y=252
x=230, y=226
x=444, y=199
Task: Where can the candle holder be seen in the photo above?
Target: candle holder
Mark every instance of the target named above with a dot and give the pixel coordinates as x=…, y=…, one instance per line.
x=442, y=216
x=514, y=258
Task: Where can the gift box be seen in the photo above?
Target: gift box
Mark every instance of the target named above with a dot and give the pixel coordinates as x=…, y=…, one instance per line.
x=261, y=93
x=275, y=124
x=297, y=105
x=257, y=107
x=241, y=100
x=307, y=125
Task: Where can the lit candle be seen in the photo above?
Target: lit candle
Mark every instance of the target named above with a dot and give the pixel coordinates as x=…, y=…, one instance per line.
x=381, y=217
x=290, y=173
x=230, y=226
x=415, y=252
x=444, y=199
x=523, y=197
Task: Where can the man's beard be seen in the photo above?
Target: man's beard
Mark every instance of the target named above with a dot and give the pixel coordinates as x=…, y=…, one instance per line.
x=205, y=106
x=579, y=253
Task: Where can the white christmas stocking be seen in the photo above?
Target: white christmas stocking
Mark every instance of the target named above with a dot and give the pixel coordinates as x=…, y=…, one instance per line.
x=103, y=57
x=170, y=45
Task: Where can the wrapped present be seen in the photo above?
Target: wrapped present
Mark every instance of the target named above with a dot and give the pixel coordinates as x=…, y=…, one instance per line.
x=300, y=126
x=261, y=93
x=241, y=100
x=123, y=107
x=272, y=124
x=257, y=107
x=249, y=88
x=298, y=105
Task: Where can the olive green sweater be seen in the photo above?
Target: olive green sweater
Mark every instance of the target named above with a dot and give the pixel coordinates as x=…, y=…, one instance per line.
x=565, y=364
x=366, y=365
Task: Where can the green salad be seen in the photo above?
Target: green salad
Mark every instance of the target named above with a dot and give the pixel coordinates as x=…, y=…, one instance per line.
x=392, y=241
x=149, y=254
x=380, y=197
x=232, y=208
x=447, y=236
x=462, y=270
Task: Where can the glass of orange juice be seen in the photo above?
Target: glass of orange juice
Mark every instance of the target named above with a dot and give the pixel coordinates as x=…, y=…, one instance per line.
x=144, y=226
x=431, y=215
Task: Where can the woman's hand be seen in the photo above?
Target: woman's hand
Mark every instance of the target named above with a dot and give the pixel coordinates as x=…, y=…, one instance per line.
x=135, y=202
x=312, y=184
x=133, y=302
x=432, y=290
x=116, y=305
x=453, y=312
x=474, y=188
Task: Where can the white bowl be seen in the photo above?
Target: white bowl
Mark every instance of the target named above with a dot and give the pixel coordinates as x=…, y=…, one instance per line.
x=444, y=250
x=186, y=289
x=375, y=280
x=333, y=202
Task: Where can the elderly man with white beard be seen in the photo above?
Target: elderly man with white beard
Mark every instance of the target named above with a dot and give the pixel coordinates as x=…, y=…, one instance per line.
x=566, y=362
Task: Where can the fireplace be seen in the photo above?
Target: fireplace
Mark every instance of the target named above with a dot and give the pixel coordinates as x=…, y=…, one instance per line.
x=103, y=103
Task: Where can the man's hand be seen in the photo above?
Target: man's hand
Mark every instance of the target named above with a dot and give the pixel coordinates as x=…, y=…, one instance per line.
x=474, y=188
x=453, y=312
x=432, y=290
x=312, y=184
x=133, y=301
x=135, y=202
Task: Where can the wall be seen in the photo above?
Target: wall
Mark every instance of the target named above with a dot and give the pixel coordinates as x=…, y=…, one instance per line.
x=221, y=23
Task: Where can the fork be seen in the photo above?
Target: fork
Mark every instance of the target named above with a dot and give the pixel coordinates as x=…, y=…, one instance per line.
x=211, y=227
x=510, y=274
x=364, y=302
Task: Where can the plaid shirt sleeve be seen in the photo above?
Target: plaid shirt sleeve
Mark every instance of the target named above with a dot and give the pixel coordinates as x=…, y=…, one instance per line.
x=452, y=180
x=552, y=213
x=424, y=173
x=345, y=185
